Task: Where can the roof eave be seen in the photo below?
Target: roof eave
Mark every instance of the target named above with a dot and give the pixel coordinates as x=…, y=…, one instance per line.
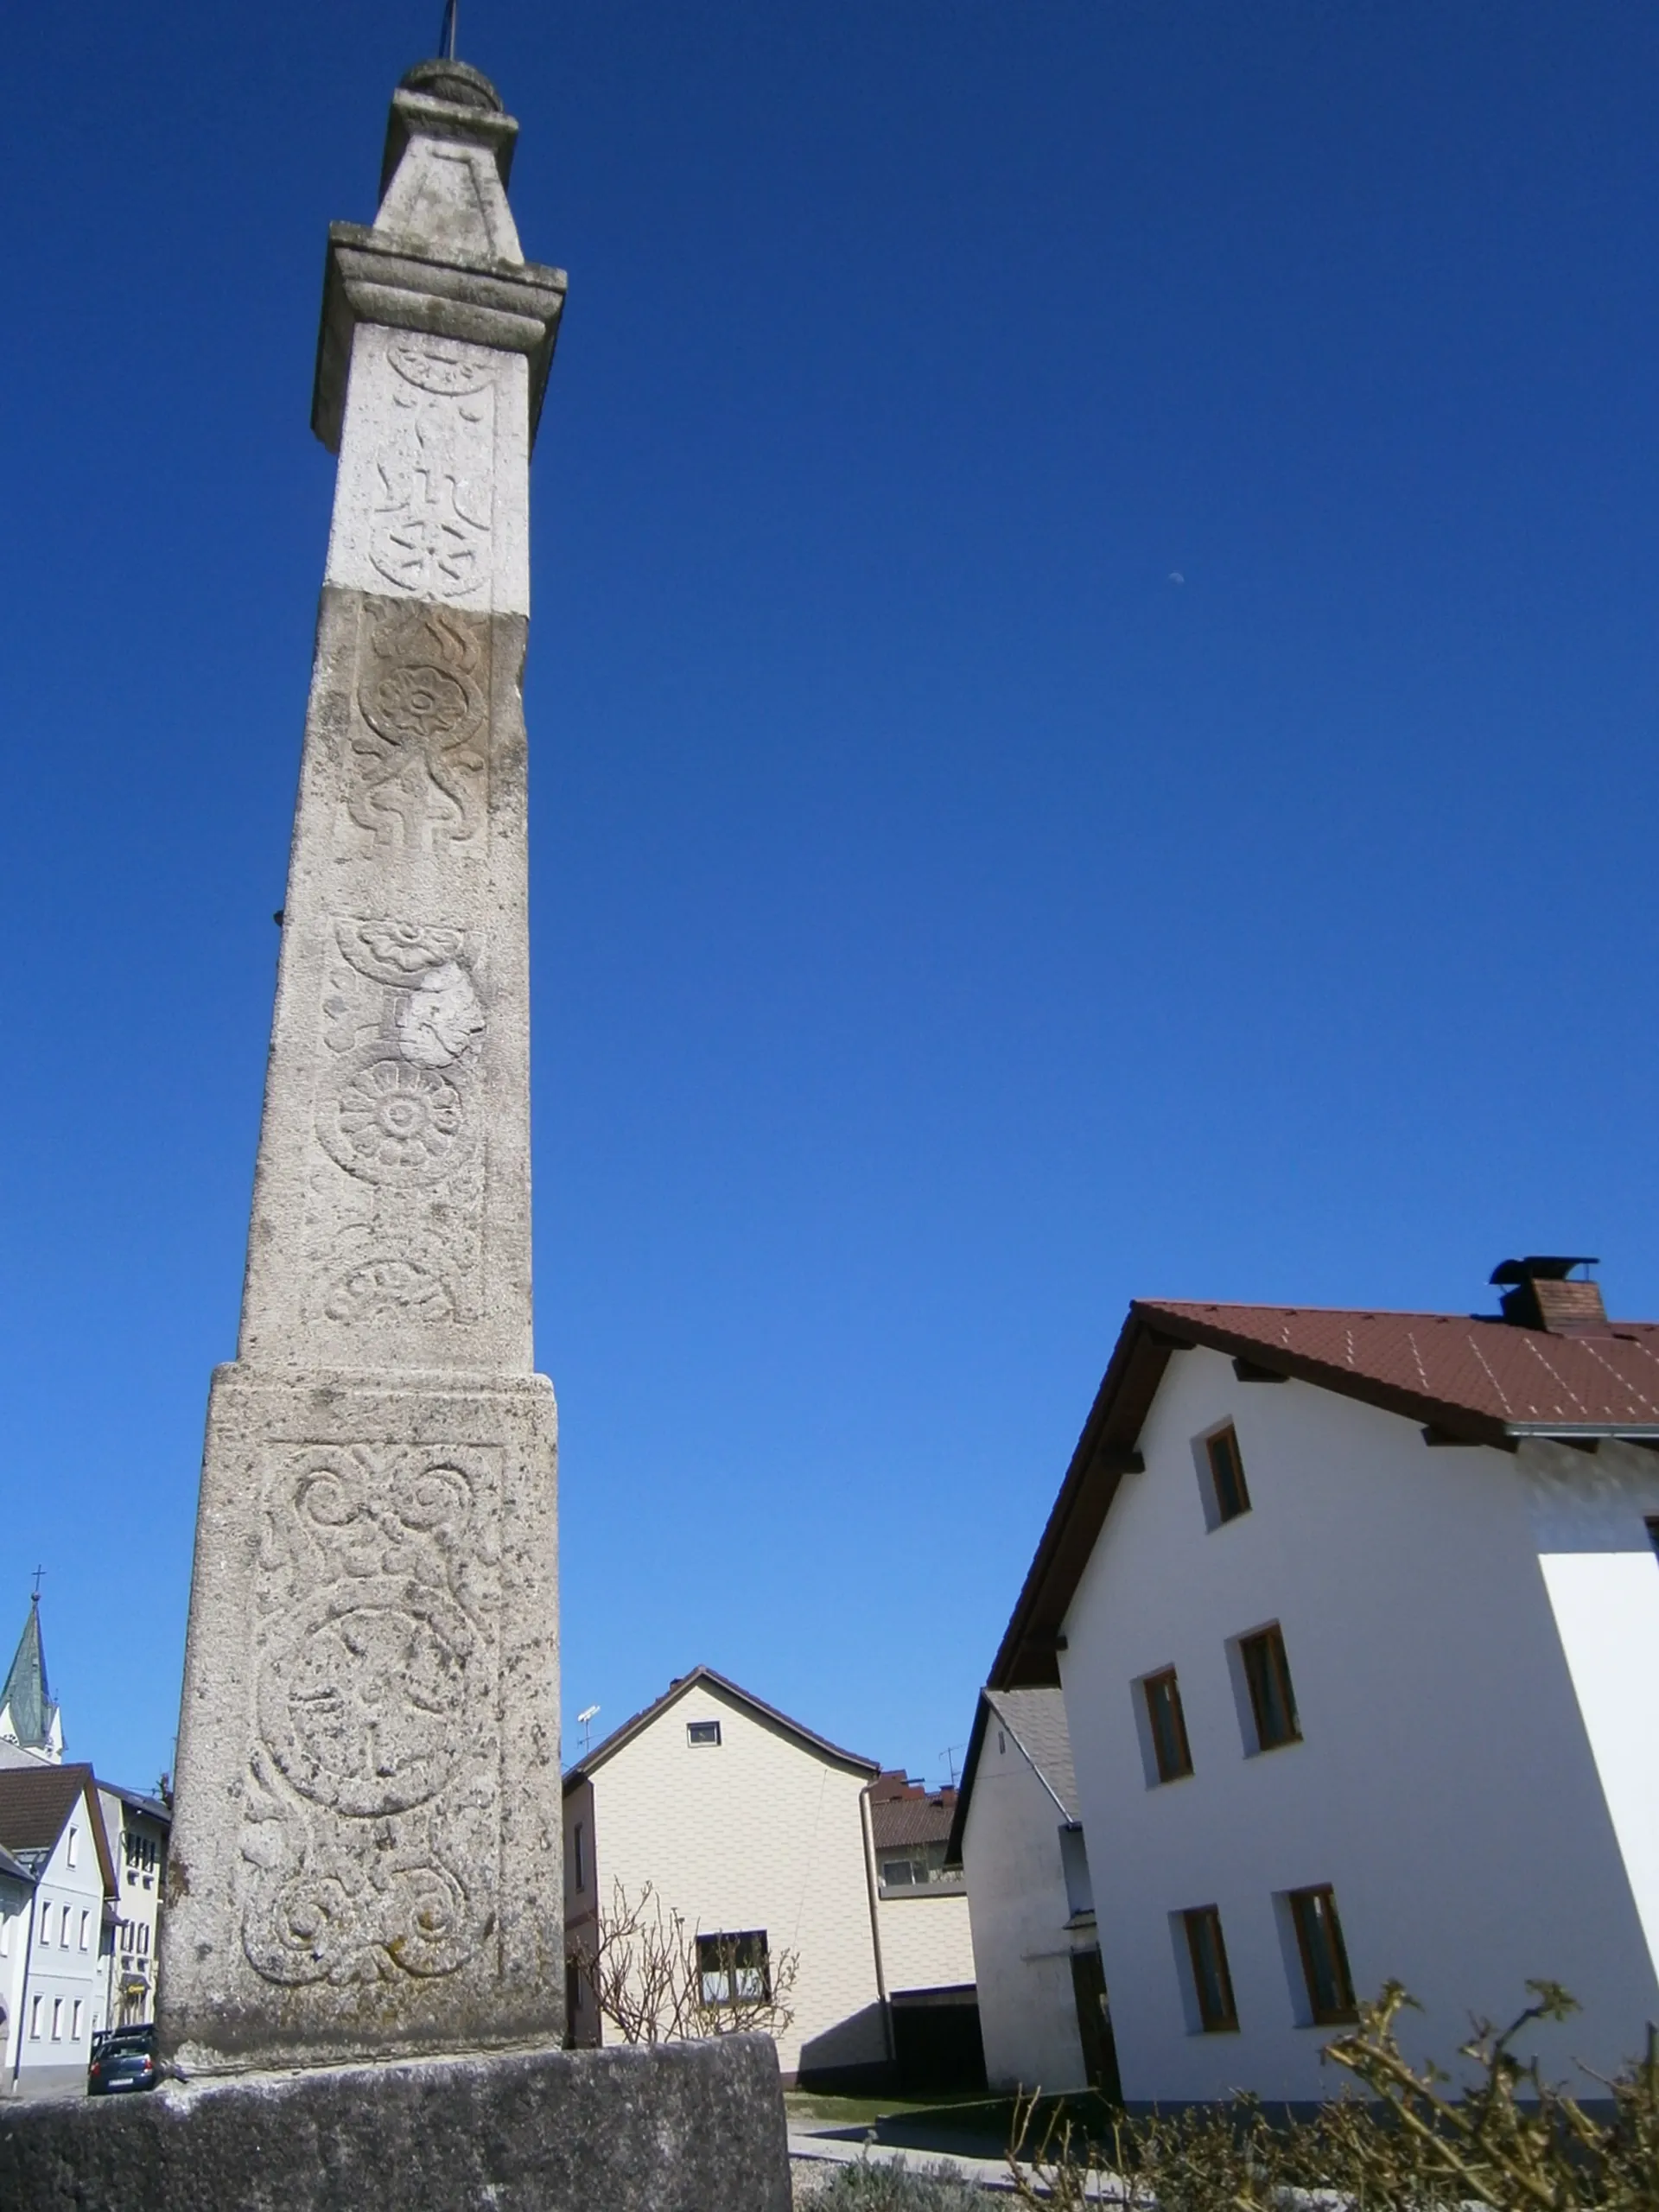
x=1027, y=1657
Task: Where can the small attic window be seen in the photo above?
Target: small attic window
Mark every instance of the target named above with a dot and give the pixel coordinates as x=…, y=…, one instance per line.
x=699, y=1732
x=1226, y=1463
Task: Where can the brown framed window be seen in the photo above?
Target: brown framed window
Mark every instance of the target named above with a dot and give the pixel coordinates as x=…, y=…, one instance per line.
x=1324, y=1955
x=733, y=1969
x=1273, y=1702
x=1167, y=1725
x=1211, y=1983
x=1227, y=1474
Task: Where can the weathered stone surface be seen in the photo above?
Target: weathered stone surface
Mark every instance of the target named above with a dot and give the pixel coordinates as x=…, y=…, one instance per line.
x=367, y=1849
x=376, y=1582
x=687, y=2127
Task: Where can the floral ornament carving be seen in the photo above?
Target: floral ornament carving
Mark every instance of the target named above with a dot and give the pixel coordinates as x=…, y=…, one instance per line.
x=392, y=1122
x=371, y=1800
x=430, y=527
x=397, y=952
x=391, y=1287
x=431, y=365
x=417, y=768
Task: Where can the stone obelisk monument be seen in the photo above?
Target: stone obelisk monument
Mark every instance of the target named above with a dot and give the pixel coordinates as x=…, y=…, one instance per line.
x=367, y=1850
x=362, y=1960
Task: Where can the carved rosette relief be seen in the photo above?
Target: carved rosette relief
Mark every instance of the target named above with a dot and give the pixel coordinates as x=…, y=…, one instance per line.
x=431, y=528
x=372, y=1807
x=397, y=1207
x=416, y=768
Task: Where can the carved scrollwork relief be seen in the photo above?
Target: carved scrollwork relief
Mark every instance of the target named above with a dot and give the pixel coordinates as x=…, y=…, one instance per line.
x=371, y=1804
x=417, y=766
x=397, y=1233
x=432, y=523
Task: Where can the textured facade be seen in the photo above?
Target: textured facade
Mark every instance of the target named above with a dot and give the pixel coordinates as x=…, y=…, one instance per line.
x=366, y=1853
x=760, y=1830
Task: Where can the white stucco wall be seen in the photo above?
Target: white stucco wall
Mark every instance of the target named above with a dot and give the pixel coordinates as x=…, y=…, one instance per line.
x=926, y=1940
x=1446, y=1784
x=1589, y=1521
x=16, y=1899
x=1018, y=1907
x=758, y=1832
x=63, y=1974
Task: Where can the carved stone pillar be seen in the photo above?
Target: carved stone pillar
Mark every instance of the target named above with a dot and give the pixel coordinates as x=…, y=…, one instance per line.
x=367, y=1858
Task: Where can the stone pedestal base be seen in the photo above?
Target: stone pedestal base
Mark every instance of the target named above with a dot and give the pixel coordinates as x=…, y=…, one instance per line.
x=687, y=2127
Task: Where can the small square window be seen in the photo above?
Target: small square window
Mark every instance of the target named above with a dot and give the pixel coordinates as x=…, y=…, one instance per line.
x=698, y=1733
x=1212, y=1985
x=1273, y=1702
x=1226, y=1474
x=1324, y=1955
x=733, y=1969
x=1167, y=1725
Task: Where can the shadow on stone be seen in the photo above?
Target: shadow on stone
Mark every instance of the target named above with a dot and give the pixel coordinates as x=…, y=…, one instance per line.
x=685, y=2127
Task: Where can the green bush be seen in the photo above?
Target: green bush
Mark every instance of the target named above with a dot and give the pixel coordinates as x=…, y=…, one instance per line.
x=1505, y=2138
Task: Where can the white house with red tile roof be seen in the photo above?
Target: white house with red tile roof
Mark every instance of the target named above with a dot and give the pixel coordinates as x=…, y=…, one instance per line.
x=1355, y=1617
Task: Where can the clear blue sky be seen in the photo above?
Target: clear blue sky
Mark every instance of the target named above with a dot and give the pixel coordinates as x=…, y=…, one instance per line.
x=1092, y=701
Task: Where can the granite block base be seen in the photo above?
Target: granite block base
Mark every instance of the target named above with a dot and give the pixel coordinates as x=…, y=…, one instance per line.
x=685, y=2127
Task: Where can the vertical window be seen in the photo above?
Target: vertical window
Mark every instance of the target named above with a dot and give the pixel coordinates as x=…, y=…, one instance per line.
x=699, y=1732
x=1325, y=1956
x=75, y=2023
x=1273, y=1702
x=74, y=1846
x=1211, y=1983
x=1167, y=1724
x=86, y=1928
x=733, y=1969
x=572, y=1988
x=34, y=2018
x=579, y=1857
x=143, y=1936
x=1002, y=1741
x=57, y=2019
x=1227, y=1473
x=63, y=1928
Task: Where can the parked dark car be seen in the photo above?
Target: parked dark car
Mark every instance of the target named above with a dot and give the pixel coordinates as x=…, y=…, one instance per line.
x=124, y=2059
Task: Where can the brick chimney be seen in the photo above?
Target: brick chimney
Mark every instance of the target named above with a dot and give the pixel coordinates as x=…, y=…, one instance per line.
x=1543, y=1294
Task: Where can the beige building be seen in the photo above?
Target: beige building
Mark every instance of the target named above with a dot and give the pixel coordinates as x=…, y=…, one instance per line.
x=762, y=1836
x=926, y=1938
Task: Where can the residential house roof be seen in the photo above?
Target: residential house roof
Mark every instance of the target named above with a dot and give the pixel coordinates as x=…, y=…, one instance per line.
x=909, y=1814
x=25, y=1700
x=1036, y=1720
x=1467, y=1379
x=36, y=1802
x=137, y=1801
x=706, y=1678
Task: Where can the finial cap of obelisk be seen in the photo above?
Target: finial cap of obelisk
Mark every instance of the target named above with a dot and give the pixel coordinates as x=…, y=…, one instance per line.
x=442, y=254
x=452, y=101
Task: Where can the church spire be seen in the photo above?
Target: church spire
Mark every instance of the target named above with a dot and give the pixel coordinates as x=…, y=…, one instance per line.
x=28, y=1716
